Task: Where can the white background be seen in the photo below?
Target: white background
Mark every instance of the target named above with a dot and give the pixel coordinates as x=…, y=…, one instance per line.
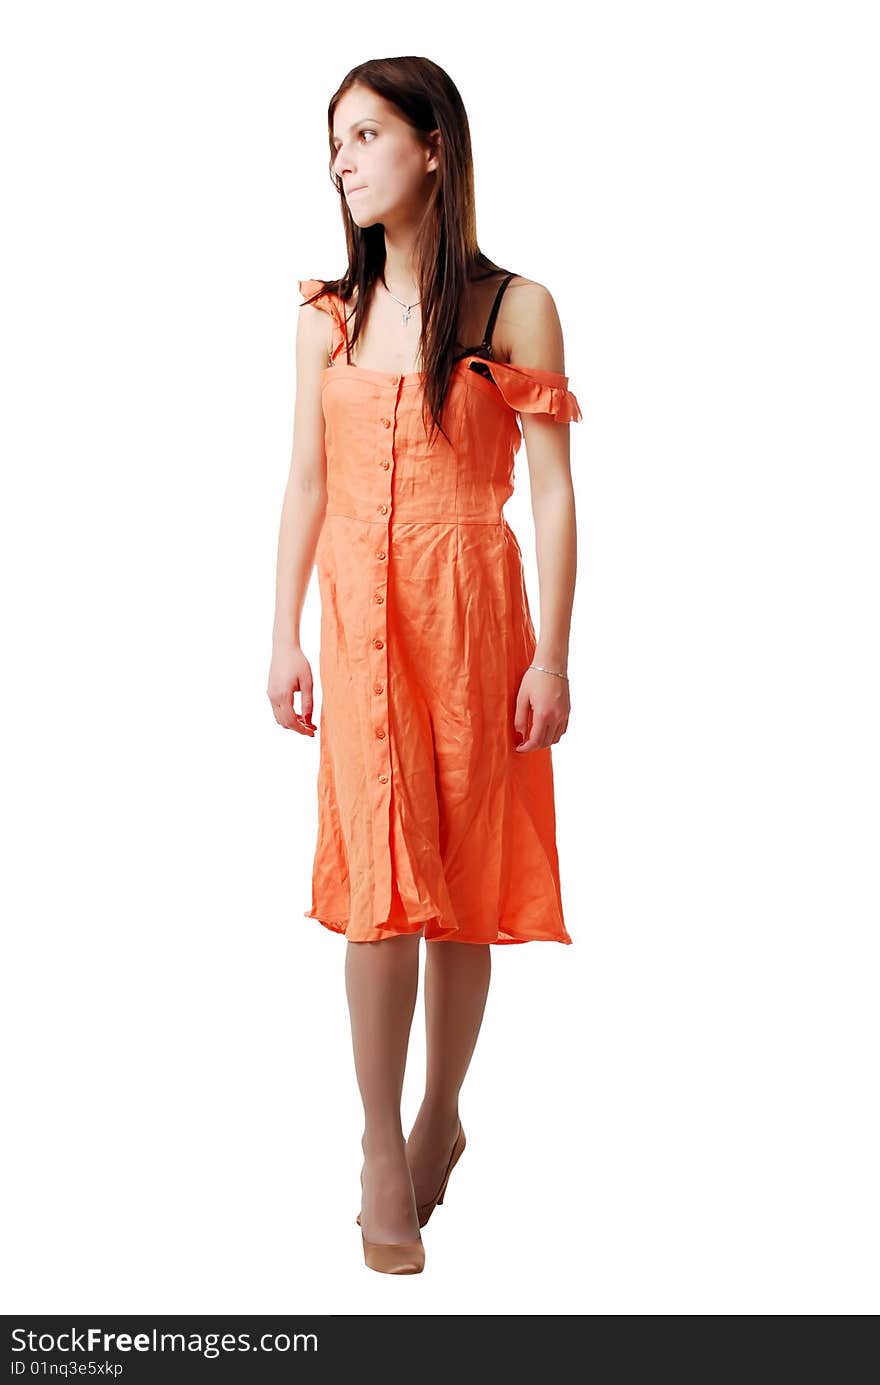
x=675, y=1115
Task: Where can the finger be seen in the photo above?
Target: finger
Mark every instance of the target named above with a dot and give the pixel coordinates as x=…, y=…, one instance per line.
x=533, y=742
x=551, y=733
x=282, y=709
x=301, y=723
x=540, y=735
x=521, y=716
x=277, y=708
x=284, y=715
x=305, y=696
x=296, y=723
x=307, y=702
x=305, y=720
x=557, y=729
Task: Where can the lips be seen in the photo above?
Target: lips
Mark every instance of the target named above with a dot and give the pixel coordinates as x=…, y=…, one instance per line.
x=351, y=190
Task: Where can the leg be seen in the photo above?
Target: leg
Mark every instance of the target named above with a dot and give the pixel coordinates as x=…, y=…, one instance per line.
x=381, y=980
x=456, y=987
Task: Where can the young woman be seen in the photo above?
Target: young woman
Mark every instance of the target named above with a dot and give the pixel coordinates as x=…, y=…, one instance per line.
x=439, y=706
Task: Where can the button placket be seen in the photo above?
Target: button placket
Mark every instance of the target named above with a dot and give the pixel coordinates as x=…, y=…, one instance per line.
x=379, y=654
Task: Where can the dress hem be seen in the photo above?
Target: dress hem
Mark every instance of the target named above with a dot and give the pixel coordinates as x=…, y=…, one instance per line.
x=448, y=935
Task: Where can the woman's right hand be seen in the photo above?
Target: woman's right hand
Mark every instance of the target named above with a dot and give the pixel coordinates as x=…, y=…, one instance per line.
x=289, y=672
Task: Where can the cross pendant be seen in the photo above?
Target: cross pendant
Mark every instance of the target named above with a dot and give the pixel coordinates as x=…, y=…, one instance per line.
x=406, y=315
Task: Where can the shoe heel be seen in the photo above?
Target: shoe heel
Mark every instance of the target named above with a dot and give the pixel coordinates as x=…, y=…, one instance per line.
x=424, y=1212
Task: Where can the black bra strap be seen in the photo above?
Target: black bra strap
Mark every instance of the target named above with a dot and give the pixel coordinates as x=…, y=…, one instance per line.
x=490, y=325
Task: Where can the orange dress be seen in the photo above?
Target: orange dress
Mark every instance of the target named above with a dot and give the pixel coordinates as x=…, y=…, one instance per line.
x=427, y=816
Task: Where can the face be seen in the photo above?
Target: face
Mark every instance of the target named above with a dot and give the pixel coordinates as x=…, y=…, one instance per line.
x=386, y=172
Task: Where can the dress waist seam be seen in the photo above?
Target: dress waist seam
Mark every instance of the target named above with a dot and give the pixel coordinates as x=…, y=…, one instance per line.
x=343, y=514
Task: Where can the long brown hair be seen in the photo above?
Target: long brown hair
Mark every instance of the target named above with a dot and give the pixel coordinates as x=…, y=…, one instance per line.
x=446, y=245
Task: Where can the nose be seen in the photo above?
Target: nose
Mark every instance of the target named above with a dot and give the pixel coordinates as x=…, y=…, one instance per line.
x=342, y=161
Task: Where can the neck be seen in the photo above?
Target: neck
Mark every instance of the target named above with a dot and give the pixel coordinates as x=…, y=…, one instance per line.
x=401, y=271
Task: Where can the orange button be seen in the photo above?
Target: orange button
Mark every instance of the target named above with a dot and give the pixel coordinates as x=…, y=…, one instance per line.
x=383, y=509
x=380, y=733
x=379, y=644
x=395, y=379
x=379, y=597
x=384, y=465
x=377, y=687
x=386, y=422
x=380, y=554
x=383, y=778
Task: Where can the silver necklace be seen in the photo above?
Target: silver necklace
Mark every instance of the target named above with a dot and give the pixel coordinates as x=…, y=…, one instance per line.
x=407, y=307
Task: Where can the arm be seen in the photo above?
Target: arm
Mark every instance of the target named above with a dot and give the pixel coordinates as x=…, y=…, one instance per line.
x=302, y=517
x=534, y=339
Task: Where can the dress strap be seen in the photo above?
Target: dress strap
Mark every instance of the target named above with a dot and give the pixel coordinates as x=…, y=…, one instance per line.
x=528, y=390
x=486, y=343
x=331, y=304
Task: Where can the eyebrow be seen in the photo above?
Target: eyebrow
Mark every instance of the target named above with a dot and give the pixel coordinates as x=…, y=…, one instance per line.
x=363, y=121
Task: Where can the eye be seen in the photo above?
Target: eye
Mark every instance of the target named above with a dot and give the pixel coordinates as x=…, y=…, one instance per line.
x=337, y=146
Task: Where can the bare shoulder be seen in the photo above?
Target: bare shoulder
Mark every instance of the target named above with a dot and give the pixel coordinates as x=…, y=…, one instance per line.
x=314, y=333
x=529, y=329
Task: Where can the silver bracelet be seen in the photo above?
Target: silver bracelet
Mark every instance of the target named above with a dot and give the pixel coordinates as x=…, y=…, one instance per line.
x=550, y=670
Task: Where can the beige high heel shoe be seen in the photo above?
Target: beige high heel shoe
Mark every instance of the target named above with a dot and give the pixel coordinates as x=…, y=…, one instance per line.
x=404, y=1258
x=425, y=1210
x=395, y=1257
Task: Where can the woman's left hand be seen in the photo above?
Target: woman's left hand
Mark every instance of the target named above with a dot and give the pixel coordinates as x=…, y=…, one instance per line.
x=547, y=697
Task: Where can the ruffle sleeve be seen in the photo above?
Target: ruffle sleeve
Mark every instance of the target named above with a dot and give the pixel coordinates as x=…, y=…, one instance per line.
x=309, y=286
x=529, y=390
x=329, y=304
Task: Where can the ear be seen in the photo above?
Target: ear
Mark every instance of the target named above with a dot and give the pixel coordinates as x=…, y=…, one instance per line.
x=433, y=164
